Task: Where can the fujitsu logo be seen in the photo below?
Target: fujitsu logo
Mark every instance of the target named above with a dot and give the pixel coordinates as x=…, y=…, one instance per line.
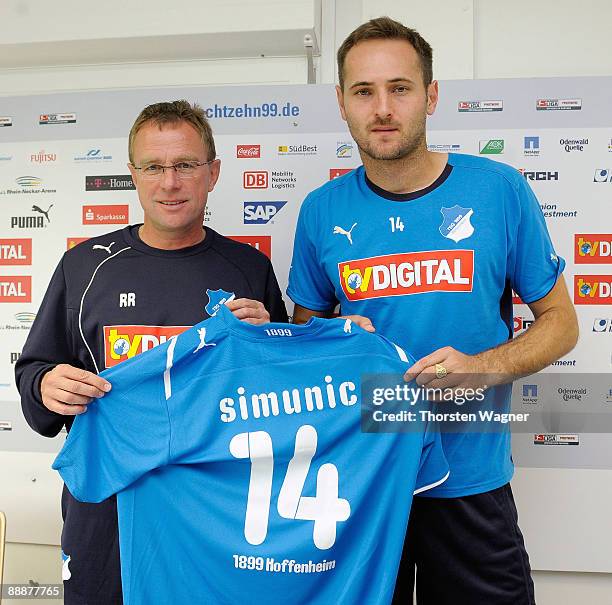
x=41, y=157
x=248, y=151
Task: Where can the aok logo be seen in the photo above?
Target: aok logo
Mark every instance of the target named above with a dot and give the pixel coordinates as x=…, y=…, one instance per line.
x=408, y=273
x=592, y=248
x=125, y=342
x=592, y=289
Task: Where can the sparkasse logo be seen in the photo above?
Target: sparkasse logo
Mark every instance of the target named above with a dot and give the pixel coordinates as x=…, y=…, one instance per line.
x=117, y=214
x=16, y=251
x=261, y=213
x=256, y=179
x=592, y=248
x=248, y=151
x=15, y=288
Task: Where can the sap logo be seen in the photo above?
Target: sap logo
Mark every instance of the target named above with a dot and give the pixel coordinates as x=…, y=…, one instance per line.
x=592, y=248
x=261, y=213
x=127, y=299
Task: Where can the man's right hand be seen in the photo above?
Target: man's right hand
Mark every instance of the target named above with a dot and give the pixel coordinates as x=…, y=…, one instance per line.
x=67, y=390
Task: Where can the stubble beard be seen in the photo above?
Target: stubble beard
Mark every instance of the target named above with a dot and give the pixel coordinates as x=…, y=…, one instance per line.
x=412, y=143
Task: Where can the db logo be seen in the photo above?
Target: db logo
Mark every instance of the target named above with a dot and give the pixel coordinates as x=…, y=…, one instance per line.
x=255, y=180
x=592, y=289
x=592, y=248
x=125, y=342
x=248, y=151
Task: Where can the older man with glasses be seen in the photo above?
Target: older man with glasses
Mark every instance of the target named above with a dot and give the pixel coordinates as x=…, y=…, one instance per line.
x=119, y=294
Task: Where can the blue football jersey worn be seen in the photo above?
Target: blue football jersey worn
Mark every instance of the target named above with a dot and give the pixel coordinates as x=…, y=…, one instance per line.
x=241, y=471
x=431, y=269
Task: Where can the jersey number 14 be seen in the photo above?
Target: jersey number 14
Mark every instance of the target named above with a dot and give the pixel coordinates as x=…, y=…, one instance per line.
x=325, y=508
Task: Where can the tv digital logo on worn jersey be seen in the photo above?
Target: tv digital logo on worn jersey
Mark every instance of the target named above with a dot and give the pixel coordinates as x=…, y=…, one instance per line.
x=112, y=182
x=106, y=214
x=125, y=342
x=261, y=213
x=16, y=251
x=263, y=243
x=15, y=289
x=255, y=179
x=248, y=151
x=407, y=273
x=592, y=248
x=592, y=289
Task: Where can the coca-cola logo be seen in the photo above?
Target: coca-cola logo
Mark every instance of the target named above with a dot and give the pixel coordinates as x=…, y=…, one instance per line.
x=248, y=151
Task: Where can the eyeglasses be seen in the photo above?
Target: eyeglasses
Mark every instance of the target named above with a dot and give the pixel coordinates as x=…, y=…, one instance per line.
x=184, y=170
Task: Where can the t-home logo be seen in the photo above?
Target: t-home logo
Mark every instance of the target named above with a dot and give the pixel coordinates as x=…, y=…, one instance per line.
x=112, y=182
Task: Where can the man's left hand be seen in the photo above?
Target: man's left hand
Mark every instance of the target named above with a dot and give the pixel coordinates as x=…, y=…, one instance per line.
x=250, y=311
x=448, y=368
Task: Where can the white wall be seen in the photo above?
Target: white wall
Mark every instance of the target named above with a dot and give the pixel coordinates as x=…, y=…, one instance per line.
x=52, y=47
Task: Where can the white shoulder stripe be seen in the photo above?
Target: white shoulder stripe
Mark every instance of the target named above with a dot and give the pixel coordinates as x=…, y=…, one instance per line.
x=431, y=485
x=93, y=275
x=401, y=353
x=169, y=362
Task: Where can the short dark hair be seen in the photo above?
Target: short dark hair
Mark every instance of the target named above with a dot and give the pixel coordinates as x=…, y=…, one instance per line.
x=385, y=28
x=173, y=112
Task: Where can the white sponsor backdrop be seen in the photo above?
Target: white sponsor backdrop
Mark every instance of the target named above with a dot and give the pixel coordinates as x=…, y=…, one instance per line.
x=301, y=143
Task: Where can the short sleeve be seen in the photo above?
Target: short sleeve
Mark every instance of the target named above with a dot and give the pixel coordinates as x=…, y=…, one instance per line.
x=533, y=264
x=433, y=467
x=309, y=285
x=122, y=436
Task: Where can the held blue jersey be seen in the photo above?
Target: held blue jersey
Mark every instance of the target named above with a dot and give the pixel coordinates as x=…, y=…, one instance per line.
x=431, y=269
x=241, y=471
